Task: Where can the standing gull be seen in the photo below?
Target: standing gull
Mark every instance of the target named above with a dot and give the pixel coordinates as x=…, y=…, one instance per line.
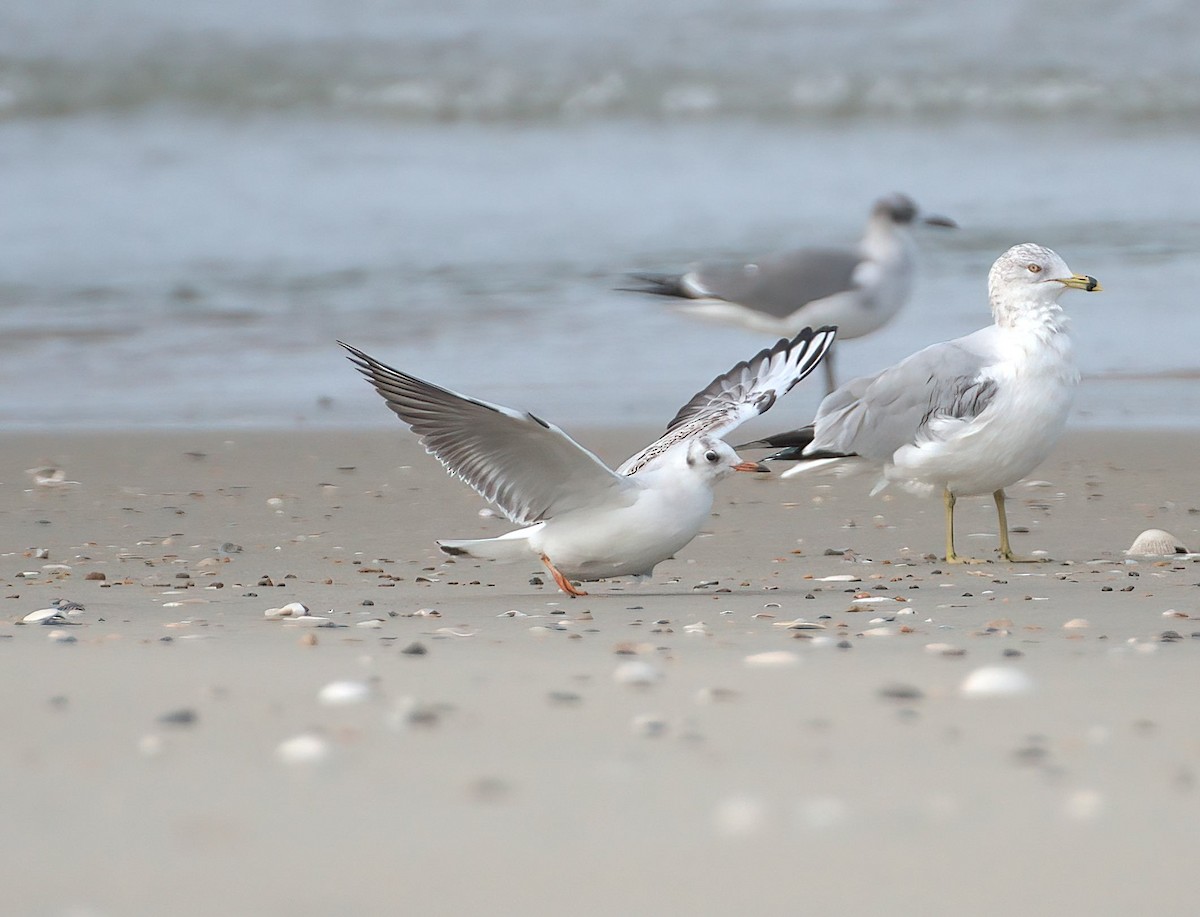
x=857, y=288
x=583, y=520
x=969, y=416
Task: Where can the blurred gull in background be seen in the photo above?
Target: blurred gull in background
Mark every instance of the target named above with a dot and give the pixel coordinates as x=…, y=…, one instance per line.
x=857, y=288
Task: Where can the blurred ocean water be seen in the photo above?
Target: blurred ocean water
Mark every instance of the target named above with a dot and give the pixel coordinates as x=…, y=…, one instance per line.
x=196, y=200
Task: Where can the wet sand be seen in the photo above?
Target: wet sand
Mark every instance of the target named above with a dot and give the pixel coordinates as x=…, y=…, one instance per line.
x=667, y=748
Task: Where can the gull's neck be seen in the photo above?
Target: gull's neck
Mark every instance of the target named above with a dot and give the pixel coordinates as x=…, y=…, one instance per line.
x=885, y=240
x=1038, y=315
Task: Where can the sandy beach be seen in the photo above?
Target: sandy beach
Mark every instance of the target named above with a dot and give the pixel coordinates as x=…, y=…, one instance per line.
x=776, y=723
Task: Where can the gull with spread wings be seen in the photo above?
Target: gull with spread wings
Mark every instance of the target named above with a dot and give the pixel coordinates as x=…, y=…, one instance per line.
x=583, y=520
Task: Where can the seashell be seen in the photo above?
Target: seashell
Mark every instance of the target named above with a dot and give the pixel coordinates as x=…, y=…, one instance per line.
x=839, y=578
x=996, y=681
x=799, y=624
x=290, y=610
x=44, y=616
x=60, y=636
x=344, y=693
x=1156, y=543
x=306, y=748
x=772, y=659
x=636, y=673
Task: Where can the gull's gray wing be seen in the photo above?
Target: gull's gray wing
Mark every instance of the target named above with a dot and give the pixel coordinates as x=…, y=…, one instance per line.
x=529, y=468
x=779, y=284
x=875, y=415
x=747, y=390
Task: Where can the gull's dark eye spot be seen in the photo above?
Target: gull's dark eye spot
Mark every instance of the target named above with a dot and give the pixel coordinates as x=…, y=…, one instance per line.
x=1035, y=268
x=710, y=456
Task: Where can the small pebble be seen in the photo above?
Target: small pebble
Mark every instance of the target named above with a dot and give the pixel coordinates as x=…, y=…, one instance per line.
x=415, y=649
x=184, y=716
x=649, y=725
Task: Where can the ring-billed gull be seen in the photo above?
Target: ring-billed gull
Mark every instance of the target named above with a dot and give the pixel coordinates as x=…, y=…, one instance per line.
x=583, y=520
x=968, y=416
x=857, y=288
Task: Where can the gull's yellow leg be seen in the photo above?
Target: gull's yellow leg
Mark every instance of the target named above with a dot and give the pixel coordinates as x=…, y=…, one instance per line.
x=1006, y=549
x=951, y=555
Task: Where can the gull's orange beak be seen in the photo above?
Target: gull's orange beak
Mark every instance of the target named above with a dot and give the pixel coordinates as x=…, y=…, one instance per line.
x=751, y=466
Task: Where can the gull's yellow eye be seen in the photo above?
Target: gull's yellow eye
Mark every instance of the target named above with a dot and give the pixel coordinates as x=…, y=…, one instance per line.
x=1035, y=268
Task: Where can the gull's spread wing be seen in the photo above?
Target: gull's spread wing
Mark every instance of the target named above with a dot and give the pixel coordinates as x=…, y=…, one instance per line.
x=747, y=390
x=529, y=468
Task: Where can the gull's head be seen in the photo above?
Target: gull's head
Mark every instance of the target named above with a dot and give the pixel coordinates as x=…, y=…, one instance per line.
x=714, y=459
x=902, y=210
x=1030, y=275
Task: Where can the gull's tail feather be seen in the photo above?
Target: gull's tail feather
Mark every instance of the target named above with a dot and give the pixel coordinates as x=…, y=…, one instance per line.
x=507, y=548
x=659, y=285
x=792, y=446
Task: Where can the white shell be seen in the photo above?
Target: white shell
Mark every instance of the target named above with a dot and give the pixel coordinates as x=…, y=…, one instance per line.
x=44, y=616
x=996, y=681
x=344, y=693
x=772, y=659
x=290, y=610
x=1156, y=543
x=636, y=673
x=306, y=748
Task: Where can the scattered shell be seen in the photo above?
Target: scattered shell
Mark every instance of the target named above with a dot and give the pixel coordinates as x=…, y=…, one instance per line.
x=799, y=624
x=1083, y=805
x=512, y=613
x=306, y=748
x=312, y=621
x=944, y=649
x=772, y=659
x=372, y=623
x=715, y=695
x=698, y=628
x=1077, y=624
x=44, y=616
x=636, y=673
x=1156, y=543
x=344, y=693
x=839, y=578
x=60, y=636
x=290, y=610
x=740, y=816
x=415, y=649
x=996, y=681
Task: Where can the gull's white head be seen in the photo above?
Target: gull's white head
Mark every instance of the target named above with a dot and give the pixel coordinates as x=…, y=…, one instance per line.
x=1027, y=281
x=713, y=459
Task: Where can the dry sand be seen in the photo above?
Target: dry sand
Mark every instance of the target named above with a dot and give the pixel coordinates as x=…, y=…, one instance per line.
x=507, y=771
